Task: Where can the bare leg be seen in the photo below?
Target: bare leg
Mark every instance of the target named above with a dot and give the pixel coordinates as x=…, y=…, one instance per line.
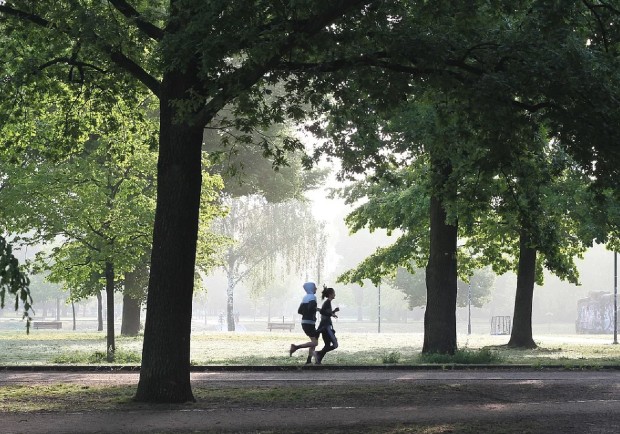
x=315, y=342
x=310, y=345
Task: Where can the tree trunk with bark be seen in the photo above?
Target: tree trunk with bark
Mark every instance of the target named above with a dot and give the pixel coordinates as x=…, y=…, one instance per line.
x=73, y=314
x=99, y=312
x=132, y=300
x=230, y=306
x=521, y=335
x=130, y=325
x=109, y=291
x=441, y=274
x=165, y=370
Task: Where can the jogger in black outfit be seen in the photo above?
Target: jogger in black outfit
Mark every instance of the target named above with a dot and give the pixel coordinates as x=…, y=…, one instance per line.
x=325, y=326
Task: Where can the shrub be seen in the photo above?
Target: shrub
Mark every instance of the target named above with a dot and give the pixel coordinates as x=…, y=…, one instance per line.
x=82, y=357
x=465, y=357
x=391, y=357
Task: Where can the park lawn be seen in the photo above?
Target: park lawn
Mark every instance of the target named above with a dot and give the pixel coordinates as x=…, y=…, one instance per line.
x=271, y=348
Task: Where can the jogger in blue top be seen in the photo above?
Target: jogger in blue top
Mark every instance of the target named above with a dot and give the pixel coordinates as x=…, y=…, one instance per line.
x=307, y=309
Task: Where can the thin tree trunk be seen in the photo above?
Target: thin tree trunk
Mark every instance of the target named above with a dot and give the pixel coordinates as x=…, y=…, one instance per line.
x=99, y=312
x=132, y=301
x=165, y=370
x=73, y=312
x=521, y=335
x=109, y=290
x=130, y=325
x=230, y=317
x=441, y=275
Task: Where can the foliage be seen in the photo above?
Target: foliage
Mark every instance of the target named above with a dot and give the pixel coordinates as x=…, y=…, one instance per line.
x=391, y=357
x=98, y=205
x=44, y=290
x=247, y=169
x=98, y=357
x=503, y=63
x=414, y=286
x=460, y=78
x=13, y=281
x=542, y=192
x=210, y=244
x=267, y=238
x=465, y=357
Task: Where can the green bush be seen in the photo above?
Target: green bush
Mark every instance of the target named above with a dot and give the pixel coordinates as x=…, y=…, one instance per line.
x=82, y=357
x=464, y=357
x=391, y=357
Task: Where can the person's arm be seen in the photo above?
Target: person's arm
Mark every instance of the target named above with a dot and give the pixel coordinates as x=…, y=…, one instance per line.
x=326, y=310
x=312, y=307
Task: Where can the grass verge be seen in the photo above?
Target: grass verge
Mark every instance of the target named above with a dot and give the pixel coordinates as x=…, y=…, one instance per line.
x=265, y=348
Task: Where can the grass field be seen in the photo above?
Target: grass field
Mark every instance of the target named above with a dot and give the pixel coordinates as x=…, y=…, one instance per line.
x=42, y=347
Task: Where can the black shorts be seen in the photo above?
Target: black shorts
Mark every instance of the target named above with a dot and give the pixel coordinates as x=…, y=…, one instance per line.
x=310, y=330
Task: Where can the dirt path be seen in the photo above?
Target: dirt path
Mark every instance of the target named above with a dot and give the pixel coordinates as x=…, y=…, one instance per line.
x=398, y=401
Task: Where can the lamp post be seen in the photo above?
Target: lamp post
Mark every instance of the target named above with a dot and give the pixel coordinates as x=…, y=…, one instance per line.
x=469, y=308
x=379, y=309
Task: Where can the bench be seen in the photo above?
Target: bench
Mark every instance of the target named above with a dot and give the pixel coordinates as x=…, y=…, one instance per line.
x=281, y=326
x=47, y=325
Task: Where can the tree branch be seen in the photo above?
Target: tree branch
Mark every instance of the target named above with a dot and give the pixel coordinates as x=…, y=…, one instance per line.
x=116, y=56
x=69, y=61
x=25, y=16
x=149, y=29
x=599, y=20
x=532, y=108
x=133, y=69
x=248, y=74
x=364, y=60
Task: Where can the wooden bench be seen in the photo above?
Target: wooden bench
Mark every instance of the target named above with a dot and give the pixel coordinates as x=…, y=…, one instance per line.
x=47, y=325
x=281, y=326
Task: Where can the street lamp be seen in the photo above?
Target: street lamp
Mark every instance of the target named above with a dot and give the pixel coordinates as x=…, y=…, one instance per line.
x=379, y=309
x=469, y=308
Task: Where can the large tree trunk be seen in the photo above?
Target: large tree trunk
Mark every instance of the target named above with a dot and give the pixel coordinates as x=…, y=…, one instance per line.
x=521, y=335
x=441, y=277
x=165, y=370
x=109, y=290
